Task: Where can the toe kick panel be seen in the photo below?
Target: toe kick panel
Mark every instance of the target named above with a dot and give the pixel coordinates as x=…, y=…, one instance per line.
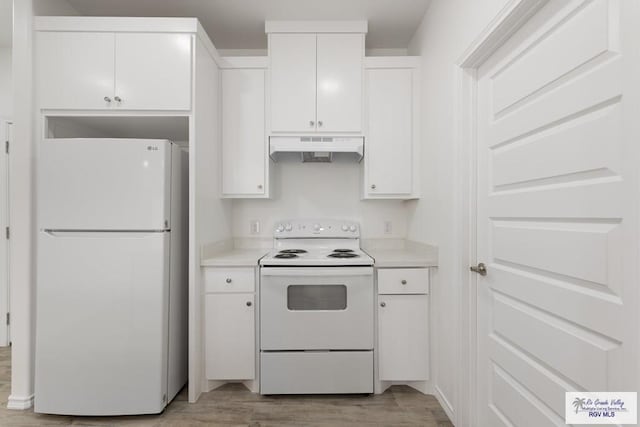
x=316, y=372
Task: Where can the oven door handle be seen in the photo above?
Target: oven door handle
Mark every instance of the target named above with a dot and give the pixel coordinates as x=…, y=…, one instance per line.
x=322, y=271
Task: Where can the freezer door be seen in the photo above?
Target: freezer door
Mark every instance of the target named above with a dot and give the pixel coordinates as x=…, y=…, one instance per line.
x=104, y=184
x=102, y=323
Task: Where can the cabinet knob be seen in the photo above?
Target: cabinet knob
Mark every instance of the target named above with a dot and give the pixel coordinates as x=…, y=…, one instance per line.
x=259, y=186
x=373, y=186
x=383, y=304
x=107, y=99
x=249, y=303
x=404, y=282
x=311, y=123
x=320, y=123
x=117, y=99
x=228, y=280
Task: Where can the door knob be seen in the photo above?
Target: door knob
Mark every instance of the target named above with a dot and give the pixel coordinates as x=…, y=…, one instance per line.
x=481, y=269
x=383, y=304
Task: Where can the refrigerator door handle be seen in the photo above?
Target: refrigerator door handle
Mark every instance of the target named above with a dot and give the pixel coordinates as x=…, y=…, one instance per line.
x=103, y=233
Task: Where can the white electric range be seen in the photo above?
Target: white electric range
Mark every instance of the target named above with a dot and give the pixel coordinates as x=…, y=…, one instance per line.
x=316, y=310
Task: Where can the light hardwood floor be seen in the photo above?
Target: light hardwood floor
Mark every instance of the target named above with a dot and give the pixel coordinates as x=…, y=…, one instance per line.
x=232, y=404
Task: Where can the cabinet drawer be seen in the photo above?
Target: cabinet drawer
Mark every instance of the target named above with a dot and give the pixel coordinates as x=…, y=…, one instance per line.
x=229, y=280
x=403, y=281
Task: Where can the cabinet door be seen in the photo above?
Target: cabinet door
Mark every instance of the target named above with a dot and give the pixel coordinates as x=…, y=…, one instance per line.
x=389, y=140
x=153, y=71
x=403, y=336
x=74, y=70
x=293, y=82
x=243, y=132
x=230, y=336
x=339, y=82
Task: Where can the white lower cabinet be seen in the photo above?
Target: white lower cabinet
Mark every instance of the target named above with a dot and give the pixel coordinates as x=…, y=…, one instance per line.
x=230, y=333
x=403, y=328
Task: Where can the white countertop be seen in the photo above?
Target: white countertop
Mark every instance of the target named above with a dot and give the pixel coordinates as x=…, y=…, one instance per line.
x=234, y=258
x=408, y=255
x=387, y=253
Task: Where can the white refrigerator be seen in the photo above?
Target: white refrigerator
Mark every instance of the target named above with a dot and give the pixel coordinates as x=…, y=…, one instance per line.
x=111, y=294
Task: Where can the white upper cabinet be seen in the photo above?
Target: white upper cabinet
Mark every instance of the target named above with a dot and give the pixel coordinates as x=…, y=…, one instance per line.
x=392, y=126
x=153, y=71
x=81, y=64
x=339, y=82
x=74, y=70
x=293, y=82
x=316, y=77
x=244, y=156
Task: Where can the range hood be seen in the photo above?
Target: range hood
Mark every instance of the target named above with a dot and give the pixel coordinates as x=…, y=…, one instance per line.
x=316, y=148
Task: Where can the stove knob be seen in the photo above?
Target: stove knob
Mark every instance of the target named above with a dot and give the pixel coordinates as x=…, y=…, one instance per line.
x=345, y=227
x=289, y=227
x=316, y=227
x=353, y=228
x=279, y=228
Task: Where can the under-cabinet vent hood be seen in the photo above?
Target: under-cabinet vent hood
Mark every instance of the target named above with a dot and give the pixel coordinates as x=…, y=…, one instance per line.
x=316, y=148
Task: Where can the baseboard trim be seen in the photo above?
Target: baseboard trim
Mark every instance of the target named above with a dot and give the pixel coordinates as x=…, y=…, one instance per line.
x=446, y=405
x=20, y=403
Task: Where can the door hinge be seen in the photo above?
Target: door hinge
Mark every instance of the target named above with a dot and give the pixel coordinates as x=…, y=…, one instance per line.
x=6, y=146
x=7, y=232
x=8, y=318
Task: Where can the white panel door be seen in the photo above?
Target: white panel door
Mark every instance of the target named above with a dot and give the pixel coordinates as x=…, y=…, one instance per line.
x=403, y=337
x=230, y=351
x=104, y=184
x=74, y=70
x=557, y=210
x=339, y=82
x=389, y=144
x=243, y=132
x=293, y=82
x=153, y=71
x=101, y=323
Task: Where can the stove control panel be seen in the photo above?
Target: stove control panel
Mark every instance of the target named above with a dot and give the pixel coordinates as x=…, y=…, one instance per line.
x=325, y=228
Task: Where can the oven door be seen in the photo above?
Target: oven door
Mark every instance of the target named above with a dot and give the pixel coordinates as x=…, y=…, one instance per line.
x=316, y=308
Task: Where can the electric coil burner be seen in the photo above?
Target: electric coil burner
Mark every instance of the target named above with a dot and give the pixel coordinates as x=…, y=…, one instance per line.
x=285, y=255
x=316, y=310
x=343, y=255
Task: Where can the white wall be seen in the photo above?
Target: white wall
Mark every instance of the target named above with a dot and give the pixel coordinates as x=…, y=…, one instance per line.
x=448, y=28
x=53, y=8
x=22, y=201
x=318, y=190
x=6, y=100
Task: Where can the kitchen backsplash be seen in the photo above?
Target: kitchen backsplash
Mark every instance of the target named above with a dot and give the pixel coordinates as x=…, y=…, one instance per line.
x=319, y=190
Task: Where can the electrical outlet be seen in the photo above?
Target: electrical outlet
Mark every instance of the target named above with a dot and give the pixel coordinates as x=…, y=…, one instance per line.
x=388, y=227
x=254, y=226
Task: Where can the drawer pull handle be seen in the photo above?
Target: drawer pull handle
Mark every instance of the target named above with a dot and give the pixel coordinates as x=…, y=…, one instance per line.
x=249, y=303
x=404, y=282
x=383, y=304
x=228, y=280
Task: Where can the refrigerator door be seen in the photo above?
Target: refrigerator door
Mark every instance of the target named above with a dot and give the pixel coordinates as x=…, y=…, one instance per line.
x=102, y=323
x=104, y=184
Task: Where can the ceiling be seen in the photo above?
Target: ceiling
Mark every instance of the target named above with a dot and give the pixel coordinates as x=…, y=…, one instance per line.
x=6, y=22
x=239, y=24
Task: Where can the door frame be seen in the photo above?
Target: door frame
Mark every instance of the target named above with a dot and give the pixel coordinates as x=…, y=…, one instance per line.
x=509, y=20
x=5, y=131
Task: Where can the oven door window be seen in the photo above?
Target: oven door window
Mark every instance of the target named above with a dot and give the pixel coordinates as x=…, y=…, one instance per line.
x=316, y=297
